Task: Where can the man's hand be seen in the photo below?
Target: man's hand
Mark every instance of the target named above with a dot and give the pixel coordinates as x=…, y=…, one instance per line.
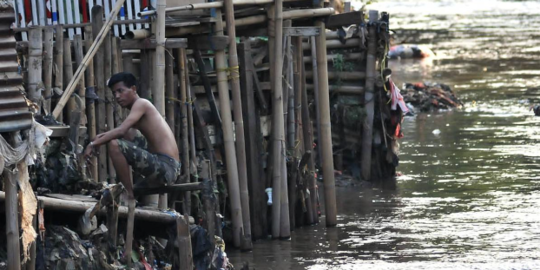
x=88, y=152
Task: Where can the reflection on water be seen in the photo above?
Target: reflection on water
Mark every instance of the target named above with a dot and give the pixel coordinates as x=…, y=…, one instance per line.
x=469, y=197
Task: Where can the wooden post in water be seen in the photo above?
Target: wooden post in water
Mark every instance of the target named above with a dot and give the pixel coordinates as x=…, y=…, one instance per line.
x=47, y=68
x=325, y=137
x=239, y=124
x=256, y=186
x=183, y=238
x=315, y=69
x=97, y=24
x=291, y=131
x=371, y=62
x=35, y=60
x=228, y=139
x=280, y=174
x=90, y=108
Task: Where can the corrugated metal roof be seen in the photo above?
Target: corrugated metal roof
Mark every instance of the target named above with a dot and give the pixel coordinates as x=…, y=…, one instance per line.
x=14, y=112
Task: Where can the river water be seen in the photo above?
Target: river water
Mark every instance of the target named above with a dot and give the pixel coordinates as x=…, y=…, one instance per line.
x=469, y=196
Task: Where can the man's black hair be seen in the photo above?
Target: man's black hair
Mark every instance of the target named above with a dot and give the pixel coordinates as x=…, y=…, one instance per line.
x=127, y=78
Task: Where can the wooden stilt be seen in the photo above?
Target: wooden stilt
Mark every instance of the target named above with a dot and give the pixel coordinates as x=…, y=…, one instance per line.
x=315, y=68
x=90, y=108
x=238, y=123
x=97, y=24
x=47, y=68
x=228, y=140
x=304, y=124
x=325, y=137
x=250, y=113
x=35, y=62
x=367, y=134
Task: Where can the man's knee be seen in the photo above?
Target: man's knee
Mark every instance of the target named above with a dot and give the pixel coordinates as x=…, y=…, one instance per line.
x=113, y=146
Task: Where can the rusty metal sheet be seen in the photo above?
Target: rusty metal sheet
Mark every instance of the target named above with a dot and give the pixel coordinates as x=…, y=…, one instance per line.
x=14, y=112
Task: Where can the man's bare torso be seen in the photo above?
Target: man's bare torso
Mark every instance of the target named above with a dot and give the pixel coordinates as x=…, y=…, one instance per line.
x=155, y=129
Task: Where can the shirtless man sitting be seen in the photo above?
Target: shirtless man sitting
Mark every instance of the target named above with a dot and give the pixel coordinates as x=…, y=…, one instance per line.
x=154, y=156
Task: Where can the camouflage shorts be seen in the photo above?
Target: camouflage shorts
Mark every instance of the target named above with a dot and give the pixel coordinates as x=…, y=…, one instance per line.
x=149, y=169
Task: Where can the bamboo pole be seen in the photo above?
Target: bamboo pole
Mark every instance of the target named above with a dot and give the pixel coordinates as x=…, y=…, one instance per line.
x=280, y=173
x=47, y=68
x=183, y=238
x=35, y=58
x=169, y=83
x=228, y=139
x=12, y=219
x=238, y=123
x=90, y=54
x=117, y=66
x=369, y=96
x=191, y=137
x=68, y=75
x=315, y=68
x=90, y=108
x=184, y=124
x=79, y=55
x=326, y=132
x=107, y=72
x=97, y=24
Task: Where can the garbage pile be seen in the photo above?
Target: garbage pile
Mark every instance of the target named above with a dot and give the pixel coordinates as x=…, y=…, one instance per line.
x=426, y=97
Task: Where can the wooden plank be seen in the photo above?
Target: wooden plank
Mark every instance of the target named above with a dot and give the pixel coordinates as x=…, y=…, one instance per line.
x=206, y=42
x=301, y=31
x=170, y=43
x=344, y=19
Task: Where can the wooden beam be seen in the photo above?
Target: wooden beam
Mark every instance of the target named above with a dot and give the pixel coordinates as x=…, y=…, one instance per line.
x=344, y=19
x=206, y=42
x=301, y=31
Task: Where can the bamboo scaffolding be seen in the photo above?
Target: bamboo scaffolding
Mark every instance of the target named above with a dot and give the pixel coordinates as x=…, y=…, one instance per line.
x=158, y=94
x=47, y=68
x=170, y=89
x=369, y=96
x=257, y=19
x=228, y=139
x=326, y=133
x=35, y=58
x=238, y=123
x=59, y=63
x=90, y=108
x=191, y=138
x=90, y=54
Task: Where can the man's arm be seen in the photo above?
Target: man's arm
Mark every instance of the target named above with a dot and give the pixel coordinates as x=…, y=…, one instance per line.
x=137, y=111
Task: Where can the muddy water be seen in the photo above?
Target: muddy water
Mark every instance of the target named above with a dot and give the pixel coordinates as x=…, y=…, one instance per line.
x=469, y=197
